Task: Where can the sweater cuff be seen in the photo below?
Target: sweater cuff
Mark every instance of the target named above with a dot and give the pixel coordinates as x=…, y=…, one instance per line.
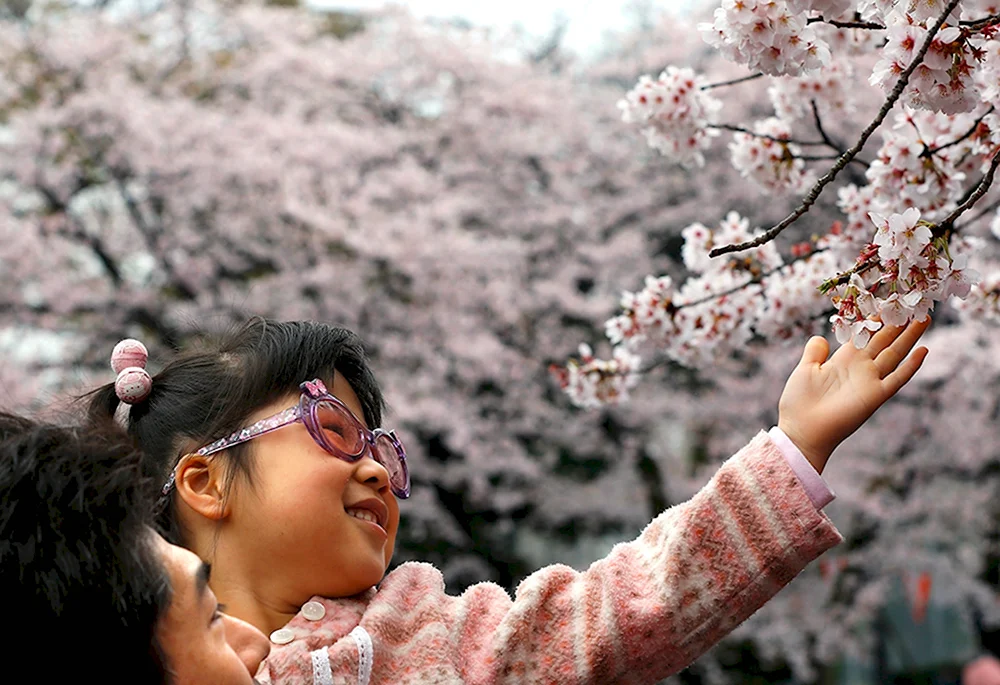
x=816, y=488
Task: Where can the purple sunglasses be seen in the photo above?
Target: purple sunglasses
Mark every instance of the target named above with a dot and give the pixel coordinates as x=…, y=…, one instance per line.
x=334, y=428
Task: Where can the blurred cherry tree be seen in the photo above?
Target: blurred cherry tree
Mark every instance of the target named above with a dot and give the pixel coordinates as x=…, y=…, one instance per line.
x=473, y=208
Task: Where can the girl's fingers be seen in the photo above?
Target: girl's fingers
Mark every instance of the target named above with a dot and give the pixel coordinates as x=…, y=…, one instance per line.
x=889, y=358
x=882, y=339
x=816, y=351
x=901, y=376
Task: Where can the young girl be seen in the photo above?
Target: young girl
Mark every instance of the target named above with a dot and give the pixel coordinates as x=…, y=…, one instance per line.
x=276, y=473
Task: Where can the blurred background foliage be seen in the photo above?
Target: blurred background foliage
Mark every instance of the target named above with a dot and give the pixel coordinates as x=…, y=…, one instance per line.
x=467, y=200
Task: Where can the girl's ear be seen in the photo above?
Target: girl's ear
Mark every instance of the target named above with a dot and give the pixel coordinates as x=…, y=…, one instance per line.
x=199, y=484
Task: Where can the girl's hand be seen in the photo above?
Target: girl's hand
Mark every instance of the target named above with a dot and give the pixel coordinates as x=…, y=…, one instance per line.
x=825, y=400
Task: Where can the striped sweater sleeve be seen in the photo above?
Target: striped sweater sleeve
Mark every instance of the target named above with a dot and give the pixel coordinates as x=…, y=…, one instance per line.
x=653, y=605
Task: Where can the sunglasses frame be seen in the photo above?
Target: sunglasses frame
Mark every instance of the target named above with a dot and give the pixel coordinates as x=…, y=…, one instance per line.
x=313, y=392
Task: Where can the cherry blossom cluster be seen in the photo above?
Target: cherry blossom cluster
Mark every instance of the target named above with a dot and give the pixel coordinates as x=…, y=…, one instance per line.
x=956, y=73
x=856, y=202
x=983, y=302
x=592, y=382
x=769, y=159
x=711, y=314
x=793, y=299
x=899, y=275
x=908, y=270
x=772, y=36
x=913, y=167
x=675, y=114
x=923, y=162
x=831, y=89
x=987, y=74
x=943, y=81
x=718, y=309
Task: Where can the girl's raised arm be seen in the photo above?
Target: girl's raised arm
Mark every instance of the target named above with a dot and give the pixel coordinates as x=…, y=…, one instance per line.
x=652, y=606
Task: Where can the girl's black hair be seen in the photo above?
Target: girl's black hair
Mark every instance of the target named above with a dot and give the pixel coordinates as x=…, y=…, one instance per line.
x=208, y=391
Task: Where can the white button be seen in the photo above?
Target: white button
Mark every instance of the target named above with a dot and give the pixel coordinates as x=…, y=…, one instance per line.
x=314, y=611
x=282, y=636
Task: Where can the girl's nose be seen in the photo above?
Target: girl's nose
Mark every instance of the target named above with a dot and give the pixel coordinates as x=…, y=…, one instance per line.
x=250, y=645
x=369, y=471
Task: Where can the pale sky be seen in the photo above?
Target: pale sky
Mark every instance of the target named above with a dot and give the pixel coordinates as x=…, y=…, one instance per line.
x=588, y=19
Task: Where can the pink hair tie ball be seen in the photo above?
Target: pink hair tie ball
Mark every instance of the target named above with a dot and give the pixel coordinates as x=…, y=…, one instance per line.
x=133, y=385
x=129, y=352
x=128, y=360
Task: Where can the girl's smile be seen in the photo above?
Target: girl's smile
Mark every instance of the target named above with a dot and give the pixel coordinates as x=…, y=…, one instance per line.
x=372, y=511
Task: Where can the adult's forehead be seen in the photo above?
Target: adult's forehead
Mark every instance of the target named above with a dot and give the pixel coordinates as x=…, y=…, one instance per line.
x=182, y=564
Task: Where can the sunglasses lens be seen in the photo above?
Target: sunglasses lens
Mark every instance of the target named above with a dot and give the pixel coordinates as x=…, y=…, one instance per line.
x=339, y=429
x=389, y=458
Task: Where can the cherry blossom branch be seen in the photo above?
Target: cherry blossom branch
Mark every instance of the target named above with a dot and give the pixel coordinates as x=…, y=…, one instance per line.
x=859, y=268
x=928, y=151
x=818, y=120
x=988, y=209
x=756, y=280
x=984, y=184
x=732, y=82
x=870, y=25
x=823, y=158
x=948, y=223
x=980, y=24
x=845, y=158
x=838, y=147
x=740, y=129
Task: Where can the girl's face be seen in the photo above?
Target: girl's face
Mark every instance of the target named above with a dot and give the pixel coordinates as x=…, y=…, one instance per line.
x=312, y=523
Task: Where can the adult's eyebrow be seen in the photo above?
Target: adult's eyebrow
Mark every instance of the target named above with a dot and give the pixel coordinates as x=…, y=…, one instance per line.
x=201, y=578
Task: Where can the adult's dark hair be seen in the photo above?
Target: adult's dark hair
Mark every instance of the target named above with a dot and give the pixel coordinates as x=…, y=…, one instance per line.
x=208, y=391
x=79, y=572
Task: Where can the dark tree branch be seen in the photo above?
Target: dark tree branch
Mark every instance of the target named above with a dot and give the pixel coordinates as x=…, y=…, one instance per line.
x=992, y=207
x=97, y=245
x=154, y=322
x=980, y=24
x=740, y=129
x=840, y=279
x=984, y=185
x=825, y=158
x=148, y=233
x=928, y=151
x=553, y=42
x=731, y=82
x=756, y=280
x=828, y=178
x=941, y=228
x=78, y=232
x=822, y=132
x=869, y=25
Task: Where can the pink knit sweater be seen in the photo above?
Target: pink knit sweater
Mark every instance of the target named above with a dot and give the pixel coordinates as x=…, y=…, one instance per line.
x=645, y=611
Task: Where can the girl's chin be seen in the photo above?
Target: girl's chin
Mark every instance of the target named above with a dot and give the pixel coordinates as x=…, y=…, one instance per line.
x=366, y=576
